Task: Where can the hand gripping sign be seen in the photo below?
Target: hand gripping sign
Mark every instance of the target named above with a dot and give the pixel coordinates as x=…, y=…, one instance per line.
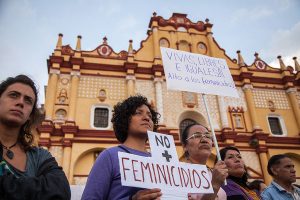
x=163, y=170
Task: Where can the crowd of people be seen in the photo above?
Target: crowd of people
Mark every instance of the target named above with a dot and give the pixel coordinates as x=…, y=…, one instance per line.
x=29, y=172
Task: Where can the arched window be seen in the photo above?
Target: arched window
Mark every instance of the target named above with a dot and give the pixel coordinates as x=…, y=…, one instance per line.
x=184, y=123
x=163, y=42
x=60, y=114
x=184, y=46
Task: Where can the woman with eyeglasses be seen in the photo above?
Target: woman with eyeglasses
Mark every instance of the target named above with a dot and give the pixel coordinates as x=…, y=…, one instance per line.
x=197, y=145
x=237, y=187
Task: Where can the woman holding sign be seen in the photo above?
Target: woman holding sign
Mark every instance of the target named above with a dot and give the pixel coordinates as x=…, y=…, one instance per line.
x=197, y=144
x=237, y=187
x=131, y=120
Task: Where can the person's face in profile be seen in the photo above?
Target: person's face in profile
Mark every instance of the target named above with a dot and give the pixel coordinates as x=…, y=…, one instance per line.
x=285, y=170
x=235, y=163
x=141, y=121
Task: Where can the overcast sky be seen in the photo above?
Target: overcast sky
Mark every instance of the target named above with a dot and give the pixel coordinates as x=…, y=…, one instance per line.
x=29, y=28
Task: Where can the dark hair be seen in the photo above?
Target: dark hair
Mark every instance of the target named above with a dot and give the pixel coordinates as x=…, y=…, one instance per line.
x=184, y=136
x=123, y=112
x=274, y=160
x=223, y=155
x=185, y=133
x=225, y=149
x=25, y=137
x=255, y=185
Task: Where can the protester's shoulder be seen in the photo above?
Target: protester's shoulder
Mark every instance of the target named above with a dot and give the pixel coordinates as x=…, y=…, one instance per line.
x=37, y=156
x=109, y=154
x=40, y=153
x=110, y=151
x=268, y=191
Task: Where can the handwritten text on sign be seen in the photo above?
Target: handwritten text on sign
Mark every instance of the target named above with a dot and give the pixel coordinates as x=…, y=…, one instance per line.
x=197, y=73
x=143, y=172
x=163, y=170
x=162, y=147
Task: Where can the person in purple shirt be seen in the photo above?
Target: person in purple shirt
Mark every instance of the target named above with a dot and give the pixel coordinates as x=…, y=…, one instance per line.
x=131, y=120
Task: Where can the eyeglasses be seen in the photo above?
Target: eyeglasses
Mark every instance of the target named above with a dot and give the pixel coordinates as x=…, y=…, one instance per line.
x=199, y=135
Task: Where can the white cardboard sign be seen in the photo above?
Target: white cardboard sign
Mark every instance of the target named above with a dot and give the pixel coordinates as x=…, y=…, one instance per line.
x=198, y=73
x=174, y=178
x=162, y=147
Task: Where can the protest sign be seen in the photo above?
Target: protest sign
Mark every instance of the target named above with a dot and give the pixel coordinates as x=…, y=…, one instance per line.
x=198, y=73
x=174, y=178
x=162, y=147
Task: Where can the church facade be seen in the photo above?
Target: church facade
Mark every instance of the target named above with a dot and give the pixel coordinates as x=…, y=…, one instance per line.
x=83, y=87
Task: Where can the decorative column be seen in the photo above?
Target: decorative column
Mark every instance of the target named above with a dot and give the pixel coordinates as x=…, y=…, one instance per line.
x=223, y=113
x=130, y=85
x=292, y=92
x=159, y=98
x=73, y=97
x=173, y=39
x=193, y=43
x=247, y=88
x=261, y=150
x=210, y=39
x=69, y=132
x=67, y=145
x=130, y=68
x=51, y=93
x=156, y=51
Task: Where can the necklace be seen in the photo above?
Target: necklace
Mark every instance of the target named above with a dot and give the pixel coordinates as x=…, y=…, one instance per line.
x=9, y=153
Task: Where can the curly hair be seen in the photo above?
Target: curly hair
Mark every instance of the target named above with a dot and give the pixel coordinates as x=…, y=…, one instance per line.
x=123, y=112
x=25, y=137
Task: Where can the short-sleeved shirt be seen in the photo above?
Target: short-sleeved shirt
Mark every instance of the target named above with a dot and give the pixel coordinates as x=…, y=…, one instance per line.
x=276, y=192
x=104, y=181
x=34, y=159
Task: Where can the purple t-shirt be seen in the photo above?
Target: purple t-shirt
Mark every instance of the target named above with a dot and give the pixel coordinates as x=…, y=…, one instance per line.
x=104, y=181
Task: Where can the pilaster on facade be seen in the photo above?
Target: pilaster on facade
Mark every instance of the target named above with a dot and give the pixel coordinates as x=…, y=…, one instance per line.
x=210, y=44
x=130, y=79
x=75, y=77
x=51, y=93
x=259, y=143
x=155, y=43
x=292, y=94
x=159, y=98
x=69, y=132
x=173, y=38
x=247, y=88
x=223, y=112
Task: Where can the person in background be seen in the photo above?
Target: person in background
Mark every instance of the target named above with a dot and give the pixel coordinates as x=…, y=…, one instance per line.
x=197, y=144
x=257, y=185
x=282, y=169
x=131, y=120
x=237, y=181
x=26, y=171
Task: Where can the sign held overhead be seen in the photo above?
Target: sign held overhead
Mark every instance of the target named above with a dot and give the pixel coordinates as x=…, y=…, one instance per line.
x=198, y=73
